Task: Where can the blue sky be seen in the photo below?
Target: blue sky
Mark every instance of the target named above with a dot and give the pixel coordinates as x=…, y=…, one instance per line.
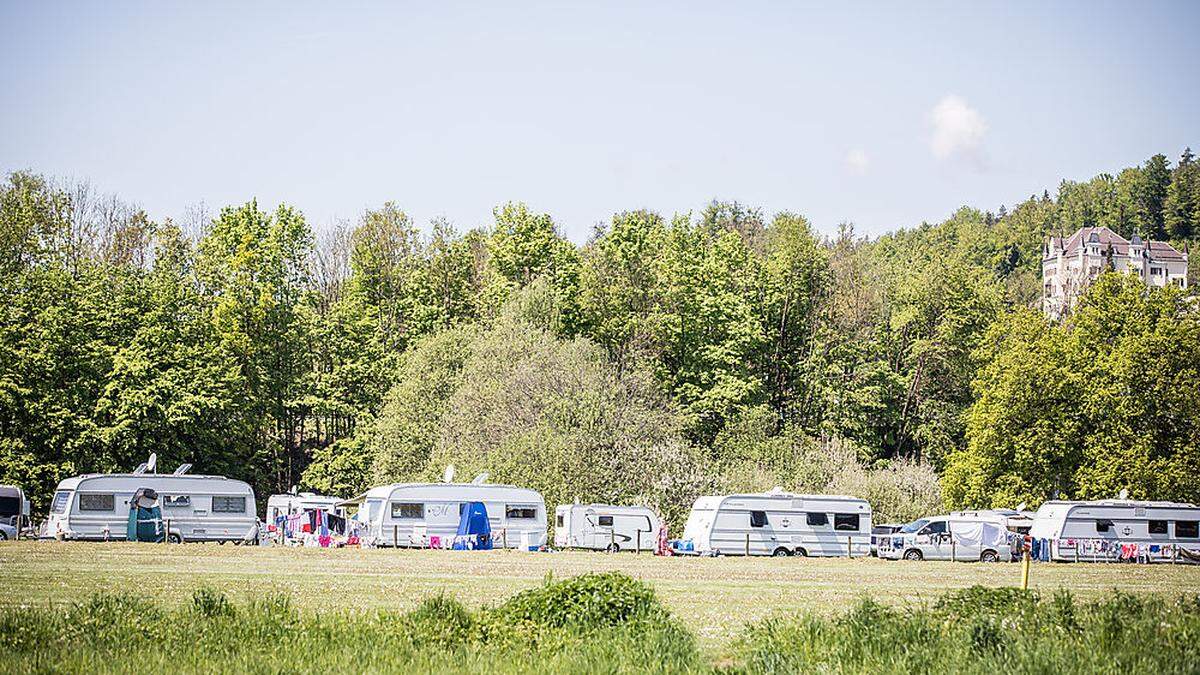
x=884, y=115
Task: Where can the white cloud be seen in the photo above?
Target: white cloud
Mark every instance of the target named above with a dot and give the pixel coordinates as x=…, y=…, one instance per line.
x=857, y=161
x=958, y=130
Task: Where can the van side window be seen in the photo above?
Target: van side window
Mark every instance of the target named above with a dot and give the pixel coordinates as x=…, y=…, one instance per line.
x=410, y=510
x=816, y=518
x=520, y=512
x=758, y=519
x=60, y=501
x=1158, y=527
x=1187, y=529
x=605, y=521
x=96, y=502
x=845, y=521
x=936, y=527
x=1104, y=525
x=229, y=504
x=176, y=501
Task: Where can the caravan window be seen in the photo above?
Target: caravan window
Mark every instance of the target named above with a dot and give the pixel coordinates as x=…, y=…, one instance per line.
x=176, y=501
x=221, y=504
x=96, y=502
x=520, y=512
x=758, y=519
x=1187, y=529
x=605, y=521
x=845, y=521
x=1158, y=527
x=1104, y=525
x=558, y=520
x=60, y=501
x=817, y=518
x=411, y=510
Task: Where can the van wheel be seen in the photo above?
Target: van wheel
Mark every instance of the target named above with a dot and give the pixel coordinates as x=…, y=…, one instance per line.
x=3, y=536
x=612, y=548
x=990, y=556
x=913, y=554
x=781, y=553
x=174, y=538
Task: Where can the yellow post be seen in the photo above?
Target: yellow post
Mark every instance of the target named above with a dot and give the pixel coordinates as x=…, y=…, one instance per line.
x=1025, y=571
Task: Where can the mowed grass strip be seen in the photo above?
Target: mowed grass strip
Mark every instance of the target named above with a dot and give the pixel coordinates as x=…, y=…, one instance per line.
x=714, y=597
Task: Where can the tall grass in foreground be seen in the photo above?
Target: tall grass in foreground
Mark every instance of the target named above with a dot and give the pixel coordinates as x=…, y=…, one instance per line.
x=602, y=623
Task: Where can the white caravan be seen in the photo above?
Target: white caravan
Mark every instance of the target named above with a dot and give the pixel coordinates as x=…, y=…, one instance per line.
x=1097, y=530
x=982, y=535
x=199, y=508
x=779, y=523
x=603, y=527
x=427, y=514
x=285, y=504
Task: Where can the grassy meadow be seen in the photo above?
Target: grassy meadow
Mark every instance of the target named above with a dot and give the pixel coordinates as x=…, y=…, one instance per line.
x=726, y=610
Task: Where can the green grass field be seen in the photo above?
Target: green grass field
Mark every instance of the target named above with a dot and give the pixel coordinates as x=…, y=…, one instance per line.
x=713, y=597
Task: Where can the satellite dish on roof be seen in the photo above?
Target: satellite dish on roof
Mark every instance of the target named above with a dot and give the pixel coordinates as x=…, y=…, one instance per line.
x=1021, y=506
x=1124, y=494
x=448, y=474
x=480, y=479
x=152, y=463
x=294, y=490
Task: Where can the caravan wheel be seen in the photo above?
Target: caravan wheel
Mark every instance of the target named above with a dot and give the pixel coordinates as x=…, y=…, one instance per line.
x=612, y=548
x=781, y=553
x=174, y=538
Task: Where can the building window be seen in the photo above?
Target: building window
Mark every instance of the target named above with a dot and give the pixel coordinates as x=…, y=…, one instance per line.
x=605, y=521
x=411, y=510
x=758, y=519
x=229, y=505
x=520, y=512
x=60, y=501
x=816, y=519
x=845, y=521
x=1187, y=529
x=96, y=502
x=1158, y=527
x=1104, y=526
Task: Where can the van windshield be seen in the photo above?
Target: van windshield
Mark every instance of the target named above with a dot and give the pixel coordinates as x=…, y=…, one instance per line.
x=914, y=526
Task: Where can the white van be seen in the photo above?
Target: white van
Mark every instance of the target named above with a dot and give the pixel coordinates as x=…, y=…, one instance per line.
x=199, y=508
x=286, y=504
x=779, y=523
x=427, y=514
x=603, y=527
x=1097, y=530
x=982, y=536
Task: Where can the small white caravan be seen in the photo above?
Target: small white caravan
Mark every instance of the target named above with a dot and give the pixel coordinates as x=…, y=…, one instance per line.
x=1097, y=530
x=779, y=523
x=981, y=535
x=604, y=527
x=199, y=508
x=289, y=503
x=427, y=514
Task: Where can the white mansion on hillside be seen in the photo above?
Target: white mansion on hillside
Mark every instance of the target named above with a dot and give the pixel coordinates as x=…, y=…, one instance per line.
x=1069, y=265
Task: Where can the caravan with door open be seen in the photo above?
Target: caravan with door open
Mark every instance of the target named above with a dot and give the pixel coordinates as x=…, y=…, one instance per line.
x=779, y=523
x=428, y=514
x=603, y=527
x=198, y=508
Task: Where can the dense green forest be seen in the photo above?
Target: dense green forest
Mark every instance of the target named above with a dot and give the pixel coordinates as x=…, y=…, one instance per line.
x=669, y=356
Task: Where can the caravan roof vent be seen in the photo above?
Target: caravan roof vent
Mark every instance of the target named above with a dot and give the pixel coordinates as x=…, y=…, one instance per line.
x=182, y=469
x=140, y=469
x=448, y=474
